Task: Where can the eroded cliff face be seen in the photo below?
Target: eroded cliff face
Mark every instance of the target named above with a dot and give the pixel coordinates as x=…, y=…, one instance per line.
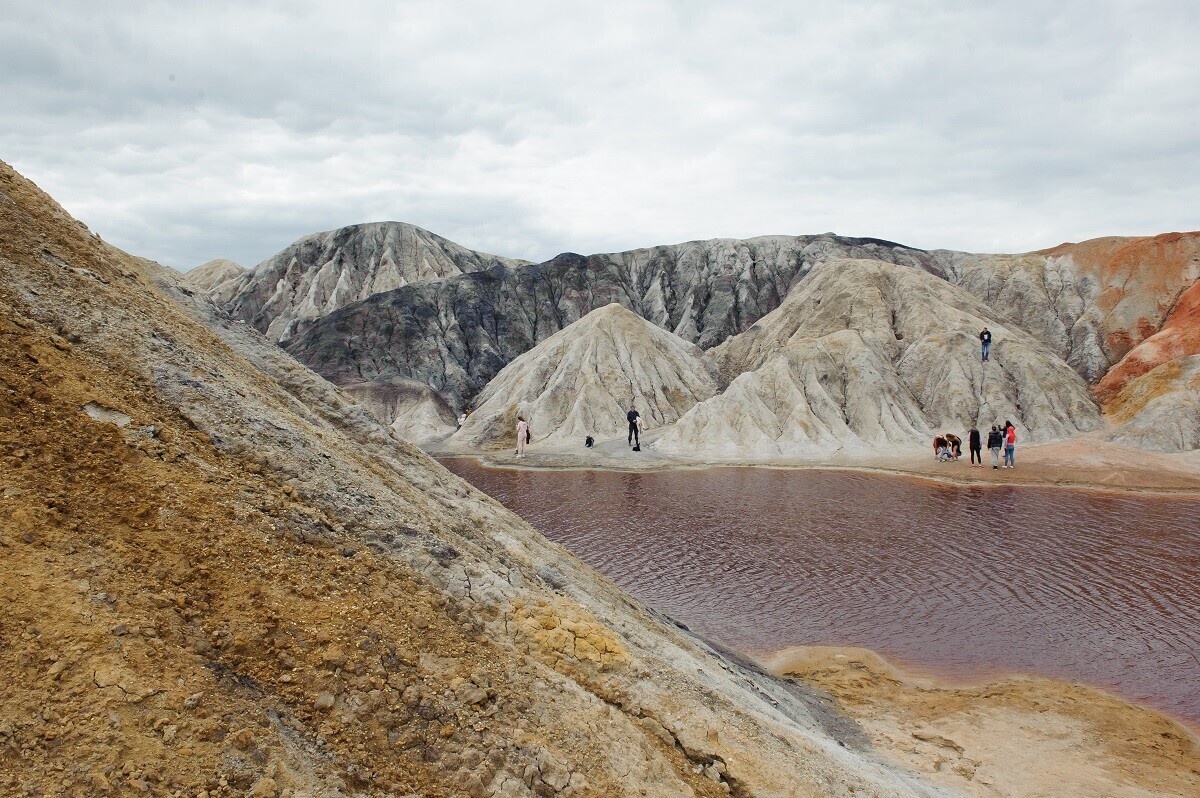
x=582, y=380
x=458, y=333
x=1089, y=302
x=221, y=574
x=865, y=354
x=1159, y=410
x=1178, y=337
x=323, y=272
x=415, y=412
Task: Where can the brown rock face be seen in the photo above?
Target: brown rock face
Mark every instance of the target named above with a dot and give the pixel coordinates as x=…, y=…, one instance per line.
x=1090, y=302
x=1179, y=336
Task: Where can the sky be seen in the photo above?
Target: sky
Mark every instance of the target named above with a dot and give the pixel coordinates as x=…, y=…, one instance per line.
x=188, y=131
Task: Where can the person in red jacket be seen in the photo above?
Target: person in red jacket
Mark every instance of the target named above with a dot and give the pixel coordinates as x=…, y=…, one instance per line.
x=1010, y=445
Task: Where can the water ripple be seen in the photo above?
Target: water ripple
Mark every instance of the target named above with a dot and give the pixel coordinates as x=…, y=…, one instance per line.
x=1096, y=588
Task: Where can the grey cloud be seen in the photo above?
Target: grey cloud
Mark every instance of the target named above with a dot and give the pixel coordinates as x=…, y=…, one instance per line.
x=532, y=128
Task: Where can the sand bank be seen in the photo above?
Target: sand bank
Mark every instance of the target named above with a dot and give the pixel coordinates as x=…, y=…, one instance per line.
x=1083, y=462
x=1017, y=736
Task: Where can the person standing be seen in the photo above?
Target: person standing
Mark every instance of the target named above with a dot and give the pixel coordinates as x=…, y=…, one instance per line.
x=635, y=419
x=1010, y=447
x=974, y=444
x=985, y=343
x=523, y=435
x=995, y=441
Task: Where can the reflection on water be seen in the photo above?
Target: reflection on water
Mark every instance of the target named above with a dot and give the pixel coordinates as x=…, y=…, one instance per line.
x=1102, y=589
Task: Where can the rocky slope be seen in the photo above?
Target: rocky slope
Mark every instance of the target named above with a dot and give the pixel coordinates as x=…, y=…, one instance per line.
x=1159, y=410
x=1089, y=302
x=581, y=381
x=413, y=411
x=703, y=291
x=325, y=271
x=865, y=354
x=209, y=276
x=1178, y=337
x=223, y=577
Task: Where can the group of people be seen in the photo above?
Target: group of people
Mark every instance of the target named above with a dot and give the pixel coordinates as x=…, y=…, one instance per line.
x=525, y=434
x=948, y=446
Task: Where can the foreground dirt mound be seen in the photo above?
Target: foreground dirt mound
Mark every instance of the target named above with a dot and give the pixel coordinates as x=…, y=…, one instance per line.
x=222, y=577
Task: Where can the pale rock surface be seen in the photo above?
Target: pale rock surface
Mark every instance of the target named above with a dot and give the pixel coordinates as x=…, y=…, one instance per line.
x=323, y=272
x=865, y=354
x=1160, y=410
x=581, y=380
x=211, y=276
x=1090, y=302
x=703, y=291
x=414, y=411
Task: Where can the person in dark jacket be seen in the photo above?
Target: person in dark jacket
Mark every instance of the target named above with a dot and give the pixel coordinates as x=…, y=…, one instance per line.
x=634, y=416
x=985, y=343
x=975, y=445
x=995, y=441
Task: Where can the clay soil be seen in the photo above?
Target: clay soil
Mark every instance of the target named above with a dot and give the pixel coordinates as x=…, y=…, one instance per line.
x=1015, y=737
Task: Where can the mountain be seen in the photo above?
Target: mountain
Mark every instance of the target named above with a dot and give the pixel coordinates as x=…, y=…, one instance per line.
x=413, y=411
x=458, y=333
x=1090, y=302
x=209, y=277
x=581, y=381
x=325, y=271
x=223, y=576
x=865, y=354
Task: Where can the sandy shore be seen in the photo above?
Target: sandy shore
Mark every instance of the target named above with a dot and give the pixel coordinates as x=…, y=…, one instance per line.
x=1018, y=736
x=1083, y=462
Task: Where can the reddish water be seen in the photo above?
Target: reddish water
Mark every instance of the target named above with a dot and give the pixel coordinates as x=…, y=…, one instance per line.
x=1102, y=589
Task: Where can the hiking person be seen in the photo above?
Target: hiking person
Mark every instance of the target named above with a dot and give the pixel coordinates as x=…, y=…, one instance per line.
x=1010, y=447
x=939, y=443
x=523, y=435
x=462, y=419
x=995, y=441
x=985, y=342
x=973, y=443
x=589, y=441
x=635, y=425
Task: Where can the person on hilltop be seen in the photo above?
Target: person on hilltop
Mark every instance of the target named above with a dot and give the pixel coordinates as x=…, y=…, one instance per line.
x=635, y=425
x=1010, y=447
x=974, y=444
x=985, y=342
x=524, y=436
x=995, y=441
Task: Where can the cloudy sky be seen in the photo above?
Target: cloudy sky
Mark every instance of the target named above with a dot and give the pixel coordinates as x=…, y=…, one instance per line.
x=190, y=131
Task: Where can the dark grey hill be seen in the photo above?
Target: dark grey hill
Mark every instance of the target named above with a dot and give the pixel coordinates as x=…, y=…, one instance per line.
x=322, y=272
x=456, y=333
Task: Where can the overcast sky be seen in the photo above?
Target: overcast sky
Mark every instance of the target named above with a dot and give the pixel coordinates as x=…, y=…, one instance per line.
x=190, y=131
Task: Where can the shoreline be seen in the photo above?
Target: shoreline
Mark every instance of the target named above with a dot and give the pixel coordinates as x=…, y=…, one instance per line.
x=1080, y=464
x=1017, y=733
